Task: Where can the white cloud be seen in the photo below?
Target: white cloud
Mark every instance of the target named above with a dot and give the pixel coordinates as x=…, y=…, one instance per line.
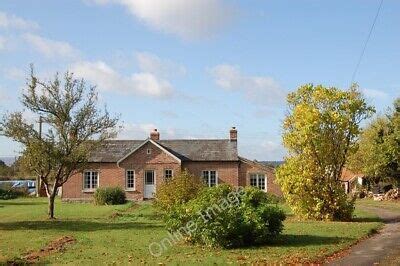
x=14, y=73
x=188, y=19
x=151, y=63
x=264, y=151
x=9, y=42
x=259, y=89
x=169, y=114
x=3, y=43
x=3, y=96
x=51, y=48
x=371, y=93
x=107, y=79
x=136, y=131
x=142, y=131
x=271, y=147
x=8, y=21
x=30, y=117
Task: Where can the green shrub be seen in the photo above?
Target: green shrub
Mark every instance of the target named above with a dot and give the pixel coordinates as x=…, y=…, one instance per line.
x=109, y=196
x=180, y=189
x=272, y=198
x=7, y=192
x=225, y=217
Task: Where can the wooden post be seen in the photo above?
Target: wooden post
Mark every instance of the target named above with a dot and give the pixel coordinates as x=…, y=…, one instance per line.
x=38, y=181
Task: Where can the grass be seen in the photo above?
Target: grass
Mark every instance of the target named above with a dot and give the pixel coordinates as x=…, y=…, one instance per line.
x=389, y=205
x=104, y=237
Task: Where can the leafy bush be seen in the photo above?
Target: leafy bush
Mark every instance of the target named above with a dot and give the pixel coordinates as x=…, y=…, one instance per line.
x=6, y=194
x=180, y=189
x=109, y=196
x=222, y=216
x=272, y=198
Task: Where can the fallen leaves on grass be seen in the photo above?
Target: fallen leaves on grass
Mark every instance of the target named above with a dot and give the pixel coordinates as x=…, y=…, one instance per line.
x=53, y=247
x=121, y=213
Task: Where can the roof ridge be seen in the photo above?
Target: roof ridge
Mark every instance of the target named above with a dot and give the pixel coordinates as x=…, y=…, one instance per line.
x=255, y=162
x=190, y=139
x=184, y=149
x=226, y=139
x=124, y=140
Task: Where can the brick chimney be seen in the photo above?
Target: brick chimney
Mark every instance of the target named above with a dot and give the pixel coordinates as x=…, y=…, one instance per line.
x=233, y=134
x=155, y=135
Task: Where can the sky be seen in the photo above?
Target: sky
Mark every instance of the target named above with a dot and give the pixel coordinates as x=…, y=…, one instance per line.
x=195, y=68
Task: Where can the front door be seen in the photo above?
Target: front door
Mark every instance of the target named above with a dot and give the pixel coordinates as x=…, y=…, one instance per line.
x=149, y=184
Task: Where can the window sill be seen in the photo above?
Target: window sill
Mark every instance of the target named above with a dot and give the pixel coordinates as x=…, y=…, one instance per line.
x=88, y=190
x=130, y=190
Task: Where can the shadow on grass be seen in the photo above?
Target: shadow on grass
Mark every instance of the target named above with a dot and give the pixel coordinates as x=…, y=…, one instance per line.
x=306, y=240
x=147, y=216
x=21, y=261
x=367, y=220
x=298, y=241
x=75, y=225
x=13, y=203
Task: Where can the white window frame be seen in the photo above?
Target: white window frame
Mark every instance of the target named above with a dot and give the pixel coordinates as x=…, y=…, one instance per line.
x=90, y=188
x=209, y=177
x=126, y=180
x=154, y=176
x=165, y=176
x=258, y=176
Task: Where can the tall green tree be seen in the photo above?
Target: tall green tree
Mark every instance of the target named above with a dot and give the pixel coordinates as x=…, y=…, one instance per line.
x=378, y=156
x=319, y=132
x=73, y=126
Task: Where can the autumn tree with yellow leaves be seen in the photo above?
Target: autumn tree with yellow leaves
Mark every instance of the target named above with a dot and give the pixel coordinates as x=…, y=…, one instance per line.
x=320, y=131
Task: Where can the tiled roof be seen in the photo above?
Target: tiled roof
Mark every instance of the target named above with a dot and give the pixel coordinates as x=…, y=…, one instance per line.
x=184, y=149
x=256, y=163
x=348, y=175
x=113, y=150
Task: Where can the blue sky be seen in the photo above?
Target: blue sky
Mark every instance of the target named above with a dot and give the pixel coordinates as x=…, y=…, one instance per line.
x=195, y=68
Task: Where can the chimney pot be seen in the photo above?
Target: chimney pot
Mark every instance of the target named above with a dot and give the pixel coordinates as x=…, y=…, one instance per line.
x=155, y=135
x=233, y=134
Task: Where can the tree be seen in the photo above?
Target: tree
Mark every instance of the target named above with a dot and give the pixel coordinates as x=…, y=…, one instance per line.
x=319, y=132
x=4, y=169
x=20, y=170
x=378, y=156
x=74, y=127
x=14, y=171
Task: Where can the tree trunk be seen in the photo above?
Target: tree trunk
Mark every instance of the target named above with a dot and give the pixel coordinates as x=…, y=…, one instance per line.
x=51, y=195
x=51, y=206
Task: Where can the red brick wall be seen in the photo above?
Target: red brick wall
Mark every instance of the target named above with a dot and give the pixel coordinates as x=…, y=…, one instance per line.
x=158, y=161
x=232, y=173
x=112, y=175
x=247, y=168
x=227, y=171
x=109, y=175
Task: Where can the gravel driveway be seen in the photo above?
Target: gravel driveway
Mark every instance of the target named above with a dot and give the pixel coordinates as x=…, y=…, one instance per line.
x=383, y=248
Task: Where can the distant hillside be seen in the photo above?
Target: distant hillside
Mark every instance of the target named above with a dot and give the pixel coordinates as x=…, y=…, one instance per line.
x=272, y=163
x=8, y=160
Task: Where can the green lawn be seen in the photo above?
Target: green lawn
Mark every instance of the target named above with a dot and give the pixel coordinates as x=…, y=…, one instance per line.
x=389, y=205
x=103, y=237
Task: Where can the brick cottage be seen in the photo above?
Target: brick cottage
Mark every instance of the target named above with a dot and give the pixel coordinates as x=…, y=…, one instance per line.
x=140, y=166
